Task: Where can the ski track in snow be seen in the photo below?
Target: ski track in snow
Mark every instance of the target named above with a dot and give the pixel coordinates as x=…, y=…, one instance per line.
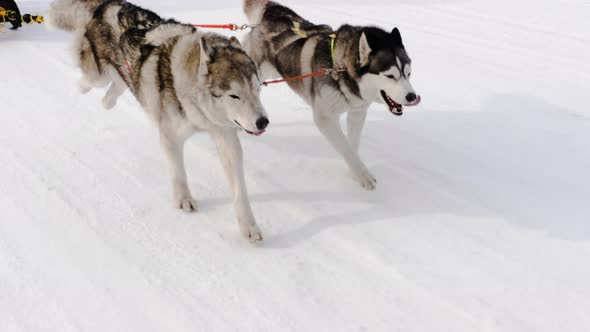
x=479, y=222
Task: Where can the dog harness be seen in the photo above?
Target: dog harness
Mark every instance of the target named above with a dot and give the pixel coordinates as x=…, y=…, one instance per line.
x=334, y=72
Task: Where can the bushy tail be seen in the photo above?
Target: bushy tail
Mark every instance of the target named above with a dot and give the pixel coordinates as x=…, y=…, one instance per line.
x=69, y=15
x=254, y=10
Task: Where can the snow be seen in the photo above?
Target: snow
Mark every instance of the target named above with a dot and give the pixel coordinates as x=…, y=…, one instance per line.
x=479, y=222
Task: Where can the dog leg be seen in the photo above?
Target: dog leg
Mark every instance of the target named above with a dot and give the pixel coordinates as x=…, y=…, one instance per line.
x=356, y=121
x=174, y=151
x=230, y=153
x=87, y=83
x=115, y=91
x=329, y=126
x=87, y=62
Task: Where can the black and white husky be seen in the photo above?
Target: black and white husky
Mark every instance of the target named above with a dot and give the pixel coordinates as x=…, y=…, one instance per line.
x=185, y=81
x=376, y=68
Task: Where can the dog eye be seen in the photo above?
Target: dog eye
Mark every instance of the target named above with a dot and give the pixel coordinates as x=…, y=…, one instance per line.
x=390, y=76
x=235, y=97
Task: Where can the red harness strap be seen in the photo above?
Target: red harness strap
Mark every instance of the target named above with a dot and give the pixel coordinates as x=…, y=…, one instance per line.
x=302, y=77
x=230, y=26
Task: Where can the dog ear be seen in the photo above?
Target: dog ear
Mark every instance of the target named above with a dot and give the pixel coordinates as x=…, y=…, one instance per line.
x=235, y=43
x=207, y=52
x=364, y=50
x=397, y=37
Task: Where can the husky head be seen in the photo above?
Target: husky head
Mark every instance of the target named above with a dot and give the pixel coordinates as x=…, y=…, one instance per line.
x=385, y=70
x=234, y=84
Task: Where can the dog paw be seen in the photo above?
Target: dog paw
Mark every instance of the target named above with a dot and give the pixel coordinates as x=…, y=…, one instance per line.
x=188, y=204
x=251, y=232
x=367, y=181
x=84, y=87
x=108, y=103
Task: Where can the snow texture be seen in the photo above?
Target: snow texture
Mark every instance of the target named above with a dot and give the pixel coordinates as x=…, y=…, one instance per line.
x=480, y=221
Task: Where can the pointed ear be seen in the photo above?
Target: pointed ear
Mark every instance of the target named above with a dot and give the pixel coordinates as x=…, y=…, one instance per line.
x=207, y=52
x=397, y=37
x=364, y=50
x=235, y=43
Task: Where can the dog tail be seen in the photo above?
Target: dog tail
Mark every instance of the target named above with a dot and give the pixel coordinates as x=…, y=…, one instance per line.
x=254, y=10
x=165, y=31
x=69, y=15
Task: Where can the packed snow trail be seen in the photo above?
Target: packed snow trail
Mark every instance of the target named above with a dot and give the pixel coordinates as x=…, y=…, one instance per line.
x=479, y=222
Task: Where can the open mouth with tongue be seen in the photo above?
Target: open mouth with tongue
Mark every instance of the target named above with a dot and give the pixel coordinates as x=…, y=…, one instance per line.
x=257, y=133
x=395, y=108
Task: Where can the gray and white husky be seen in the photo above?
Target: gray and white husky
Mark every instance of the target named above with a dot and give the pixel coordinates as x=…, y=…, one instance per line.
x=376, y=68
x=185, y=81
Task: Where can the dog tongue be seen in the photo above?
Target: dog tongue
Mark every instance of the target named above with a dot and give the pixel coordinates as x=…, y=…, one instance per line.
x=396, y=111
x=258, y=133
x=415, y=102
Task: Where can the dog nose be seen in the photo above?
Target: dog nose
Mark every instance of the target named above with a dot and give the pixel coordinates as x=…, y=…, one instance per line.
x=262, y=123
x=411, y=97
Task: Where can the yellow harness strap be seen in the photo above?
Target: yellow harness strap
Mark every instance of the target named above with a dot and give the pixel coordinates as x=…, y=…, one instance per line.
x=334, y=70
x=297, y=29
x=3, y=18
x=332, y=47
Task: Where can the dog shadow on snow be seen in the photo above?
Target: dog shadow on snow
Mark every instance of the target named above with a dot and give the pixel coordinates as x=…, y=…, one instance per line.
x=531, y=204
x=505, y=175
x=376, y=210
x=317, y=225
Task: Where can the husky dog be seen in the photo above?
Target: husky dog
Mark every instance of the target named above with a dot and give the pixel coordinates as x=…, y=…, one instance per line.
x=185, y=81
x=374, y=68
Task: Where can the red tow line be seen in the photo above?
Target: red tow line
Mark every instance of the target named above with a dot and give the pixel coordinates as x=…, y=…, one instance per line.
x=322, y=72
x=230, y=26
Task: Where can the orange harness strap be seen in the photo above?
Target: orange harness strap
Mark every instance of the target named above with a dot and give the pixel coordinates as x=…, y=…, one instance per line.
x=322, y=72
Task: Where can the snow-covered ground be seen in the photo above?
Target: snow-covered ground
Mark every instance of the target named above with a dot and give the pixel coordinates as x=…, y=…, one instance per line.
x=479, y=223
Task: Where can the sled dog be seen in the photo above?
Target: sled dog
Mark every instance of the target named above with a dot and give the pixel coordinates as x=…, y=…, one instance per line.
x=375, y=68
x=186, y=81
